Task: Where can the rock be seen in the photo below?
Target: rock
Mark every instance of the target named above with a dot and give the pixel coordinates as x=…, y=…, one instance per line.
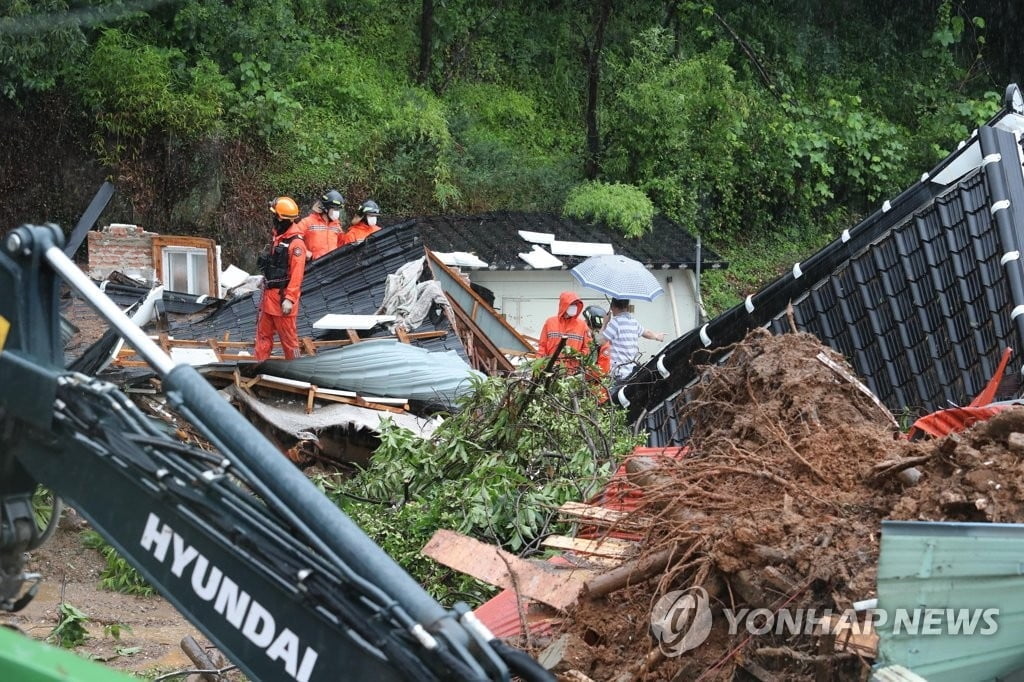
x=1015, y=441
x=567, y=652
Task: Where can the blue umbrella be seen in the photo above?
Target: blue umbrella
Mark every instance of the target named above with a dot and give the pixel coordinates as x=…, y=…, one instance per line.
x=618, y=277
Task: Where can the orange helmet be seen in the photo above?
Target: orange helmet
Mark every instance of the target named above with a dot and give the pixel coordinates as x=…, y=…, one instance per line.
x=284, y=208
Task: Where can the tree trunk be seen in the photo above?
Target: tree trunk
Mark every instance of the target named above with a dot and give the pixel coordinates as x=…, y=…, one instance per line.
x=426, y=42
x=593, y=56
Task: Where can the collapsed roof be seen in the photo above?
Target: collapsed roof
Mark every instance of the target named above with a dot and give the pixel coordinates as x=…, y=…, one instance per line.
x=497, y=240
x=350, y=280
x=921, y=297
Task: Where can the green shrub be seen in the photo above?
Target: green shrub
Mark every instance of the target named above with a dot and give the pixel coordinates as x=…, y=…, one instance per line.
x=118, y=575
x=498, y=469
x=622, y=207
x=70, y=630
x=138, y=89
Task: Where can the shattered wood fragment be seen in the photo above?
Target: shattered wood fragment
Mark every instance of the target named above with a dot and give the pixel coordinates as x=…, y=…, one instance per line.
x=607, y=547
x=545, y=582
x=859, y=638
x=599, y=516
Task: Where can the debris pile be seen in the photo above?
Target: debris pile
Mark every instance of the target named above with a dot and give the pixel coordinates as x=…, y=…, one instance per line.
x=792, y=466
x=977, y=475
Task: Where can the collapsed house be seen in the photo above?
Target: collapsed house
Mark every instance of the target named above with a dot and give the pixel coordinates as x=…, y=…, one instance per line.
x=921, y=297
x=791, y=491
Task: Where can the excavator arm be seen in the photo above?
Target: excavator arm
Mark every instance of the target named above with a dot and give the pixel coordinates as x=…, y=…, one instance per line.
x=239, y=540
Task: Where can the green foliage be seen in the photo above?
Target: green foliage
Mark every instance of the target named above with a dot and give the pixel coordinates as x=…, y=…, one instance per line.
x=137, y=89
x=754, y=260
x=36, y=46
x=42, y=507
x=622, y=207
x=497, y=469
x=114, y=630
x=118, y=575
x=764, y=119
x=510, y=153
x=674, y=126
x=415, y=154
x=70, y=630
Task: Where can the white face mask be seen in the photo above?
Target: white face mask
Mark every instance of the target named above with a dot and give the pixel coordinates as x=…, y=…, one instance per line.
x=572, y=310
x=334, y=214
x=371, y=220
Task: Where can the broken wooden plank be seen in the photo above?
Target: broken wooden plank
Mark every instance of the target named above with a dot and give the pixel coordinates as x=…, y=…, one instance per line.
x=348, y=321
x=538, y=580
x=590, y=512
x=607, y=547
x=859, y=638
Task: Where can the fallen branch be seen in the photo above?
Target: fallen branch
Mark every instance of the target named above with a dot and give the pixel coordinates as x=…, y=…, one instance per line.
x=786, y=652
x=892, y=467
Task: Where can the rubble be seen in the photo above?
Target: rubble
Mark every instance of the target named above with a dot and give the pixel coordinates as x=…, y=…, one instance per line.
x=778, y=502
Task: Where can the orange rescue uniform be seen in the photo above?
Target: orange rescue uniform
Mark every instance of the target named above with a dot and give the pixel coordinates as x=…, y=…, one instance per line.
x=272, y=319
x=321, y=234
x=357, y=233
x=574, y=329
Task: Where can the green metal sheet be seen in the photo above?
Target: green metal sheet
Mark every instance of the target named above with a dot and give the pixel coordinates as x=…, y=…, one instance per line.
x=972, y=566
x=27, y=660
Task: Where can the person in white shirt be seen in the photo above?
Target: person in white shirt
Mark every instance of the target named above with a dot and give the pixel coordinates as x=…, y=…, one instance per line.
x=624, y=332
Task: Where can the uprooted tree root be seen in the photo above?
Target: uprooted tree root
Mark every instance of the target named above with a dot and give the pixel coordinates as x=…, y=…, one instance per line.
x=769, y=508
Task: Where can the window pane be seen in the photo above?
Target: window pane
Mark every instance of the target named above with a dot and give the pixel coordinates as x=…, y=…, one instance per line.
x=177, y=276
x=199, y=273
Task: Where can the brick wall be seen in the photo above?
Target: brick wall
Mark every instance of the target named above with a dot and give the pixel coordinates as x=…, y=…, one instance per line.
x=126, y=248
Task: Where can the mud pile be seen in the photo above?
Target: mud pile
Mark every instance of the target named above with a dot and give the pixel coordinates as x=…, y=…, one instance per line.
x=977, y=475
x=791, y=468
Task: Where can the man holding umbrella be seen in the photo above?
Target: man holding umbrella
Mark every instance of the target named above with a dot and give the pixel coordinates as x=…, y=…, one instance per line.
x=622, y=279
x=624, y=332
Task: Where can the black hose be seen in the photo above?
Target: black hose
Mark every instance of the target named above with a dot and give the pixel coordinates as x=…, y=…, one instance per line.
x=521, y=663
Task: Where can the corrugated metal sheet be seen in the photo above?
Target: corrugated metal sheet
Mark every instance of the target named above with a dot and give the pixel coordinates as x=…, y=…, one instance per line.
x=918, y=296
x=953, y=565
x=382, y=367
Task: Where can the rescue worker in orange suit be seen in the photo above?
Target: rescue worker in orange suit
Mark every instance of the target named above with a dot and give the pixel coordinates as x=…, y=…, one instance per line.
x=364, y=223
x=283, y=267
x=321, y=229
x=568, y=324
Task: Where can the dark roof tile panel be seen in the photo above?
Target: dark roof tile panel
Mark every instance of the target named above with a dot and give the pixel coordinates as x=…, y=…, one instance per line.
x=494, y=238
x=917, y=300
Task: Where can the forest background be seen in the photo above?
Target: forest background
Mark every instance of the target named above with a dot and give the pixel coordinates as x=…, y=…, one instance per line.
x=765, y=127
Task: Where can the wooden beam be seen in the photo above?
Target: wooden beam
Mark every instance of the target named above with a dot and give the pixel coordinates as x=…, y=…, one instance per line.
x=352, y=335
x=538, y=580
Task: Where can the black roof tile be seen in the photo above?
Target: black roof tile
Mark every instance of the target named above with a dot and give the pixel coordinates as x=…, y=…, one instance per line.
x=350, y=280
x=494, y=238
x=916, y=298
